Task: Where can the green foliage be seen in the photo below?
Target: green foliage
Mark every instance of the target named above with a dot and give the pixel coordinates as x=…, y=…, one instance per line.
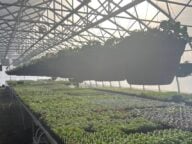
x=163, y=96
x=140, y=125
x=14, y=83
x=86, y=116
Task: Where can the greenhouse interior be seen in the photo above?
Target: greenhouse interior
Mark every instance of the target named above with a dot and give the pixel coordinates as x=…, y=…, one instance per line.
x=95, y=72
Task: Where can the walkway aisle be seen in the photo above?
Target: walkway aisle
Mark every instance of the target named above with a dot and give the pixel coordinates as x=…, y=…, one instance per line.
x=12, y=129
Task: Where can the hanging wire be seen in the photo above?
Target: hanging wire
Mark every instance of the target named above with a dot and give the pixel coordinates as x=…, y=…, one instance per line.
x=172, y=11
x=168, y=9
x=147, y=10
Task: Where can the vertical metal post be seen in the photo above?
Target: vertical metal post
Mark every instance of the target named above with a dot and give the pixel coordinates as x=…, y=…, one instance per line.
x=119, y=84
x=143, y=87
x=85, y=84
x=159, y=88
x=110, y=84
x=103, y=85
x=178, y=86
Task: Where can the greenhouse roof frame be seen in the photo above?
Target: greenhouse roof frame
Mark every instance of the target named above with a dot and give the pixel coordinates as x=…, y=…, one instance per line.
x=31, y=28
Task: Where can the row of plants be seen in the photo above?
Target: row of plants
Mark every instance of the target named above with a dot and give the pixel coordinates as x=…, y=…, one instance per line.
x=145, y=57
x=174, y=116
x=86, y=116
x=157, y=137
x=155, y=95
